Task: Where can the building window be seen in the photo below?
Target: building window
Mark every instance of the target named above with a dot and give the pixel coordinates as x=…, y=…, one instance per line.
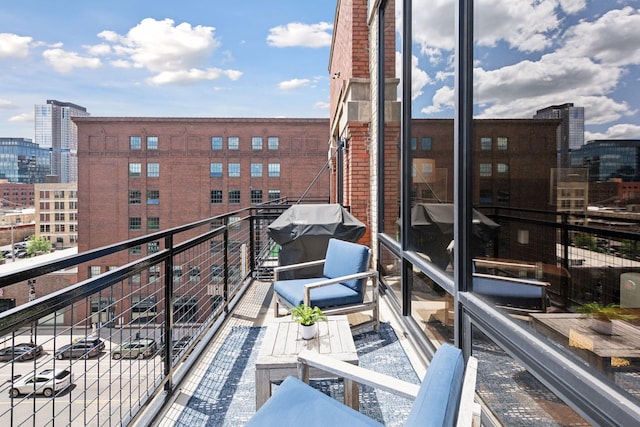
x=502, y=143
x=216, y=196
x=234, y=196
x=143, y=309
x=503, y=169
x=273, y=142
x=414, y=143
x=485, y=143
x=216, y=143
x=234, y=170
x=135, y=143
x=152, y=143
x=153, y=223
x=194, y=274
x=504, y=196
x=154, y=274
x=485, y=169
x=58, y=194
x=153, y=170
x=135, y=223
x=58, y=206
x=153, y=247
x=486, y=195
x=136, y=250
x=274, y=169
x=94, y=271
x=256, y=170
x=135, y=197
x=215, y=170
x=426, y=143
x=274, y=195
x=256, y=143
x=153, y=197
x=177, y=275
x=59, y=217
x=256, y=196
x=233, y=142
x=135, y=169
x=135, y=279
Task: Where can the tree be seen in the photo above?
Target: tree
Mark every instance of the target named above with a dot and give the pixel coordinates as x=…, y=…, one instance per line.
x=37, y=245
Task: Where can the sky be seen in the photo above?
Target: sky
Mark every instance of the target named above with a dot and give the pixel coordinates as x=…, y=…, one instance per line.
x=249, y=58
x=164, y=58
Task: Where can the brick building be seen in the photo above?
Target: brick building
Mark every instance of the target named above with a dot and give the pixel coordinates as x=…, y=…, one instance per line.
x=139, y=175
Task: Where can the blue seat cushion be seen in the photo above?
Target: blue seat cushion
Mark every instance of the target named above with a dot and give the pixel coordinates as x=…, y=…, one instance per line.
x=345, y=258
x=294, y=403
x=439, y=396
x=326, y=296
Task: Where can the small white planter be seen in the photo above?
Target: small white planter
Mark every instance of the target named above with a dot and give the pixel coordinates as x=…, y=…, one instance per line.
x=308, y=332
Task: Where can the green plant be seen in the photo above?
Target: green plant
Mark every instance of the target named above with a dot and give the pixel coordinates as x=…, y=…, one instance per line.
x=605, y=312
x=38, y=244
x=307, y=316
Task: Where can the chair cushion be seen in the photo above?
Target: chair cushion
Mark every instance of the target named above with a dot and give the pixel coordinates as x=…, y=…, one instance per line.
x=294, y=403
x=439, y=396
x=327, y=296
x=345, y=258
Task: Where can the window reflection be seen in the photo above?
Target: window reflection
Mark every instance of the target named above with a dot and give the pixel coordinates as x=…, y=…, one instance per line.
x=432, y=308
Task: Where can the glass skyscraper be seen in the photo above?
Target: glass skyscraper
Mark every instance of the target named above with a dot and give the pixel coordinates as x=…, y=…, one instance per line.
x=570, y=132
x=23, y=161
x=610, y=158
x=55, y=130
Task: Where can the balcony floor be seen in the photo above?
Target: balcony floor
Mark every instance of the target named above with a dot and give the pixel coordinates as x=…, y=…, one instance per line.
x=254, y=310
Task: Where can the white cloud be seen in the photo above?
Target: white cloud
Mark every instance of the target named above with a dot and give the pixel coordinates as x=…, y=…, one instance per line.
x=5, y=104
x=298, y=34
x=99, y=49
x=293, y=84
x=64, y=62
x=321, y=105
x=21, y=118
x=620, y=131
x=14, y=46
x=190, y=76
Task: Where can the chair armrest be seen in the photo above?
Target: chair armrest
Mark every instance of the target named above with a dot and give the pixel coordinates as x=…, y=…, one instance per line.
x=327, y=282
x=278, y=269
x=514, y=280
x=310, y=358
x=469, y=411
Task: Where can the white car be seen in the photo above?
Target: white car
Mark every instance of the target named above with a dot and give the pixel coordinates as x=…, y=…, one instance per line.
x=47, y=383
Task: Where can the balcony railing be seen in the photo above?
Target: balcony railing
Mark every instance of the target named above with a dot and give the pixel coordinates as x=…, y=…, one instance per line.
x=150, y=313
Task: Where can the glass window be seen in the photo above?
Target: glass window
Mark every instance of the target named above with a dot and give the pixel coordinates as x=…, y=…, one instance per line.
x=414, y=143
x=153, y=223
x=274, y=195
x=215, y=170
x=273, y=142
x=485, y=169
x=426, y=144
x=234, y=196
x=153, y=197
x=234, y=170
x=216, y=143
x=256, y=170
x=194, y=274
x=503, y=169
x=177, y=274
x=274, y=169
x=135, y=143
x=152, y=143
x=135, y=223
x=154, y=274
x=256, y=196
x=135, y=197
x=485, y=143
x=135, y=279
x=502, y=143
x=256, y=143
x=233, y=142
x=153, y=170
x=136, y=250
x=216, y=196
x=486, y=195
x=135, y=169
x=94, y=270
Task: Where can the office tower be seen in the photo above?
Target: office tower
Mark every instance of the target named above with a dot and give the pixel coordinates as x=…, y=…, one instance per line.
x=22, y=161
x=55, y=130
x=571, y=131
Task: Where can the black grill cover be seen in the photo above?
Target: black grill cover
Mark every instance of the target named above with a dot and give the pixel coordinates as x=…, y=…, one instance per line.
x=303, y=232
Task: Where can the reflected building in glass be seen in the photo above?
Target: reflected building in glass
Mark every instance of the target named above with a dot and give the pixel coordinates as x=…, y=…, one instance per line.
x=609, y=159
x=570, y=132
x=23, y=161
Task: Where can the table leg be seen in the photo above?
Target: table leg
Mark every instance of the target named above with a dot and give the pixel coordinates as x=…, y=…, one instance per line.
x=263, y=387
x=351, y=394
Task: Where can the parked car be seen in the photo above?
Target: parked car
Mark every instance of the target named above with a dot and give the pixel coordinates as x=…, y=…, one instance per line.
x=181, y=344
x=138, y=348
x=94, y=341
x=47, y=383
x=20, y=352
x=77, y=350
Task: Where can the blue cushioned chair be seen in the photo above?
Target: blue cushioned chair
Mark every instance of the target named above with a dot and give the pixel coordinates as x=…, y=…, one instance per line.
x=445, y=397
x=343, y=287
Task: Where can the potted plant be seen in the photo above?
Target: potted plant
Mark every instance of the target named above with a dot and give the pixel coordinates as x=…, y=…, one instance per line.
x=307, y=318
x=602, y=315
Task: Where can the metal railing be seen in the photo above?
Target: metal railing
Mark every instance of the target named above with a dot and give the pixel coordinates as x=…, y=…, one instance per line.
x=132, y=327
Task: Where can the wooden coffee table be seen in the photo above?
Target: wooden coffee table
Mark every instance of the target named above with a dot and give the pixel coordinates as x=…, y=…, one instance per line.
x=278, y=356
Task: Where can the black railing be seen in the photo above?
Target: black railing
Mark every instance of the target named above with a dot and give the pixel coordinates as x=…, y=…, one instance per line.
x=149, y=313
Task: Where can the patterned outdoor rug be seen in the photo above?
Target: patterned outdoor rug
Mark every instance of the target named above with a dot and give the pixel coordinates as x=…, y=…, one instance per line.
x=226, y=393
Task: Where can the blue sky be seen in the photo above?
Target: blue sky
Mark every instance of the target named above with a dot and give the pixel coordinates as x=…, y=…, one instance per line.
x=189, y=58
